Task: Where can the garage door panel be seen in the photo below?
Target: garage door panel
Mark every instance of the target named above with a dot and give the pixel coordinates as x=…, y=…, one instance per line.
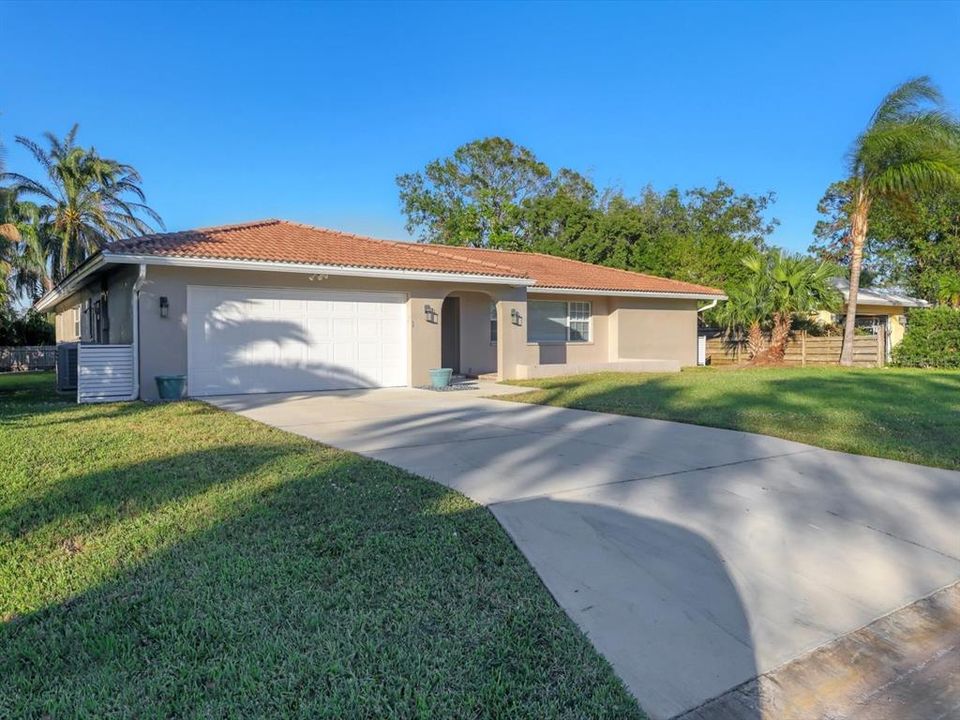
x=345, y=354
x=319, y=353
x=344, y=328
x=369, y=329
x=287, y=306
x=392, y=331
x=319, y=309
x=368, y=354
x=319, y=328
x=372, y=309
x=262, y=340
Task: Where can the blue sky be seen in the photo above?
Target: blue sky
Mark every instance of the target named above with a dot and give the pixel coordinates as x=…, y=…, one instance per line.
x=309, y=111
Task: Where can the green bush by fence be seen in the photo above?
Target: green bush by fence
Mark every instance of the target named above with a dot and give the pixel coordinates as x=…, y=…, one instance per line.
x=932, y=339
x=29, y=328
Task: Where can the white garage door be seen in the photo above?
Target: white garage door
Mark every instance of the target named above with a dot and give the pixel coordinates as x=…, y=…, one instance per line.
x=249, y=340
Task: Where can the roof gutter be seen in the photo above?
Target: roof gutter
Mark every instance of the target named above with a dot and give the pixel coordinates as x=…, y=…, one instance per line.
x=628, y=293
x=70, y=285
x=709, y=306
x=315, y=269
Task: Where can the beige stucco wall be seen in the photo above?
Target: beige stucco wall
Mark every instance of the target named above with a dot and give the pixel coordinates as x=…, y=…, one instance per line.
x=622, y=328
x=478, y=355
x=164, y=341
x=595, y=350
x=65, y=324
x=119, y=288
x=654, y=329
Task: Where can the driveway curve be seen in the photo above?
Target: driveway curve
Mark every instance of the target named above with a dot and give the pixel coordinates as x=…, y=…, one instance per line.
x=694, y=558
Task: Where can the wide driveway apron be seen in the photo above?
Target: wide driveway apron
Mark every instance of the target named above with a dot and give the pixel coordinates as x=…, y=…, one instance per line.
x=693, y=558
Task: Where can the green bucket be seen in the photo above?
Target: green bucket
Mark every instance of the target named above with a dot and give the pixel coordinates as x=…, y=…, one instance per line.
x=440, y=377
x=172, y=387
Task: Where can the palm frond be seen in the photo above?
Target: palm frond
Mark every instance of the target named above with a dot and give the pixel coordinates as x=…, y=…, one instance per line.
x=23, y=184
x=89, y=201
x=39, y=154
x=906, y=99
x=916, y=176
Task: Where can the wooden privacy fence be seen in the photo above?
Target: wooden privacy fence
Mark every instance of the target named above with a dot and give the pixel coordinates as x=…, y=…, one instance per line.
x=802, y=349
x=28, y=357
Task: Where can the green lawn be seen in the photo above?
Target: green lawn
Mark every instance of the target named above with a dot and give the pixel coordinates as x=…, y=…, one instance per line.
x=910, y=415
x=178, y=561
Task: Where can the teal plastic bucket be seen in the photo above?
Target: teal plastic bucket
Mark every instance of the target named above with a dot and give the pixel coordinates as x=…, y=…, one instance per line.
x=172, y=387
x=440, y=377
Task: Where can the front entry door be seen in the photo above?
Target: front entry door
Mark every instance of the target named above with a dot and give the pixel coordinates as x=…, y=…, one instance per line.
x=450, y=334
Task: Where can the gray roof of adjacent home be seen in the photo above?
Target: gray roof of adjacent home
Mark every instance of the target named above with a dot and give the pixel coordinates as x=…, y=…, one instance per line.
x=878, y=296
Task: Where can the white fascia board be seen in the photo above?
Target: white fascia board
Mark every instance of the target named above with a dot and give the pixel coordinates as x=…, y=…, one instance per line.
x=870, y=298
x=69, y=286
x=624, y=293
x=311, y=269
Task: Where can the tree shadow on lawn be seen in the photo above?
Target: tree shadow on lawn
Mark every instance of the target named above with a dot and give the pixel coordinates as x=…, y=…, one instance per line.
x=322, y=589
x=28, y=401
x=89, y=502
x=913, y=417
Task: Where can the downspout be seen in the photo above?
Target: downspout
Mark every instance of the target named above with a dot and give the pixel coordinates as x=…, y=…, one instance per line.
x=135, y=313
x=708, y=306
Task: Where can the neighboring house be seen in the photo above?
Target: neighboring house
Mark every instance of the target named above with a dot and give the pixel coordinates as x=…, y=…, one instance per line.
x=275, y=306
x=878, y=311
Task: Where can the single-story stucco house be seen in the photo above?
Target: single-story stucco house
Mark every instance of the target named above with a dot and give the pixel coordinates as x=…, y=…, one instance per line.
x=274, y=306
x=878, y=311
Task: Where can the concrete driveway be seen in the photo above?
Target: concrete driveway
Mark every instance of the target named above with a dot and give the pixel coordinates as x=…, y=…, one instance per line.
x=694, y=558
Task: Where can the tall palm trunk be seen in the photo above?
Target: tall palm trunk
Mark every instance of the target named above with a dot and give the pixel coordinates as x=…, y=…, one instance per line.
x=779, y=336
x=858, y=236
x=754, y=340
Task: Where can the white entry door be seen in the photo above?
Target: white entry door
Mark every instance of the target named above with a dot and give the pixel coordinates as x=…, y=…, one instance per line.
x=254, y=340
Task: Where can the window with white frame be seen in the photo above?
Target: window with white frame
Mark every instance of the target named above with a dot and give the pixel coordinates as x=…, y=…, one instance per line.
x=493, y=322
x=558, y=321
x=77, y=314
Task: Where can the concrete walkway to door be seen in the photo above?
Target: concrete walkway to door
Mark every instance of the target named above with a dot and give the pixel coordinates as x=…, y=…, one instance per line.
x=694, y=558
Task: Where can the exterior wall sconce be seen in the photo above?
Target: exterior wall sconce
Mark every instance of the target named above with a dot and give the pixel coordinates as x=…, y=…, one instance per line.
x=516, y=318
x=430, y=314
x=164, y=306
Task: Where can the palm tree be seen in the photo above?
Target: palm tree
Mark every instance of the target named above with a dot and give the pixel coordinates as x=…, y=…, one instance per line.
x=747, y=307
x=87, y=202
x=9, y=237
x=912, y=144
x=798, y=286
x=779, y=287
x=23, y=255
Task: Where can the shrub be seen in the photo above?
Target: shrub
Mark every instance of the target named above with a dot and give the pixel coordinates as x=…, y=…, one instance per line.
x=932, y=339
x=30, y=328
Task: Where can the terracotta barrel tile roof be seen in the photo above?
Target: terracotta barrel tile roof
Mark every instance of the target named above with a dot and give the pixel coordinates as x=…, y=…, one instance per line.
x=282, y=241
x=555, y=272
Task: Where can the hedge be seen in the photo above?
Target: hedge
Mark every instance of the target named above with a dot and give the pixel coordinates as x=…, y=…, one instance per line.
x=29, y=328
x=932, y=339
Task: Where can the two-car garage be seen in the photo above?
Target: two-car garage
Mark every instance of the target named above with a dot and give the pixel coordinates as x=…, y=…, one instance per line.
x=250, y=340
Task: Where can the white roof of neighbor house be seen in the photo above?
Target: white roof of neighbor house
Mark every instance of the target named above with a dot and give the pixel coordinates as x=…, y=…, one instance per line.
x=878, y=296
